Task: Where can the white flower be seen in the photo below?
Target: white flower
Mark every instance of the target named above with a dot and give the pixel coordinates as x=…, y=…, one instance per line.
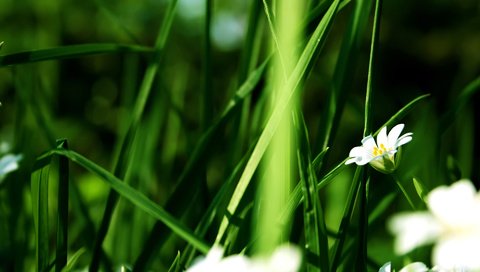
x=452, y=223
x=381, y=154
x=8, y=163
x=285, y=259
x=413, y=267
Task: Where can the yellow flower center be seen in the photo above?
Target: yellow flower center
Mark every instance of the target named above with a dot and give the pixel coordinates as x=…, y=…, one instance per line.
x=377, y=151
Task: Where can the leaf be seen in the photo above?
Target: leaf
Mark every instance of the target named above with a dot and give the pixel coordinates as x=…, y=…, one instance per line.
x=402, y=112
x=315, y=43
x=176, y=264
x=316, y=240
x=39, y=185
x=62, y=214
x=136, y=198
x=74, y=259
x=420, y=188
x=70, y=51
x=381, y=207
x=125, y=144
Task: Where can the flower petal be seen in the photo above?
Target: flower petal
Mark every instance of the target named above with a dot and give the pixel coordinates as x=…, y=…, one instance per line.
x=386, y=267
x=369, y=142
x=415, y=267
x=359, y=155
x=382, y=138
x=457, y=253
x=394, y=133
x=405, y=138
x=456, y=206
x=285, y=259
x=8, y=163
x=413, y=230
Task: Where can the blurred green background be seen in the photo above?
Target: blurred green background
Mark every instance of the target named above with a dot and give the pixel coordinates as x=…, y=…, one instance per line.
x=425, y=47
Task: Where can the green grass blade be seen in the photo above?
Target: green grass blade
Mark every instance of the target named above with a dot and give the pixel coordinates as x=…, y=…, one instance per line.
x=62, y=218
x=315, y=43
x=297, y=197
x=39, y=182
x=380, y=208
x=402, y=112
x=122, y=160
x=316, y=240
x=176, y=264
x=216, y=206
x=197, y=157
x=70, y=51
x=343, y=78
x=74, y=259
x=352, y=199
x=420, y=188
x=136, y=198
x=116, y=20
x=463, y=98
x=371, y=66
x=273, y=31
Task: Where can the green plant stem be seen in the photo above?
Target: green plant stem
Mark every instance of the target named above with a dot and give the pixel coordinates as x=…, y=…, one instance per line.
x=399, y=184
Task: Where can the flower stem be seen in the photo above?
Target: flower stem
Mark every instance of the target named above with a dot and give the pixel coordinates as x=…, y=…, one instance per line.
x=397, y=181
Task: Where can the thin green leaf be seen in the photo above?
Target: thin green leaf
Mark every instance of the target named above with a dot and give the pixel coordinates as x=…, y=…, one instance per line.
x=136, y=198
x=371, y=66
x=420, y=188
x=296, y=197
x=198, y=156
x=74, y=259
x=62, y=218
x=125, y=144
x=381, y=208
x=176, y=264
x=463, y=98
x=116, y=20
x=363, y=224
x=216, y=206
x=39, y=181
x=343, y=78
x=352, y=199
x=315, y=43
x=70, y=51
x=402, y=189
x=402, y=112
x=316, y=240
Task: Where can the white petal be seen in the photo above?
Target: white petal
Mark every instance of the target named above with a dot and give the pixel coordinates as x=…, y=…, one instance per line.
x=405, y=138
x=413, y=230
x=386, y=267
x=234, y=263
x=394, y=133
x=415, y=267
x=208, y=263
x=382, y=137
x=455, y=206
x=9, y=163
x=457, y=253
x=368, y=142
x=359, y=155
x=285, y=259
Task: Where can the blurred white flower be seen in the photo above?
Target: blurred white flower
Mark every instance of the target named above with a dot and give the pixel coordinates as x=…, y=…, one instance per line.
x=8, y=163
x=413, y=267
x=286, y=258
x=380, y=154
x=452, y=222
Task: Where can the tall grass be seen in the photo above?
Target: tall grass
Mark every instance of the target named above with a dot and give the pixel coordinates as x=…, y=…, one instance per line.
x=141, y=151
